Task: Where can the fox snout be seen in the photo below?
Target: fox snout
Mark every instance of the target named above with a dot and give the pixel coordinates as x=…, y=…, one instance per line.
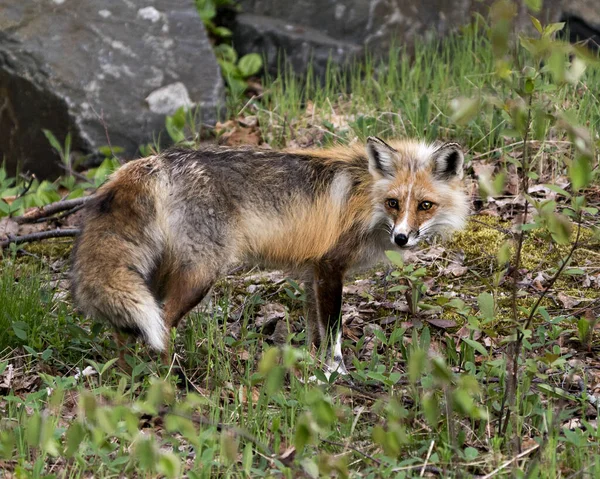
x=404, y=239
x=401, y=239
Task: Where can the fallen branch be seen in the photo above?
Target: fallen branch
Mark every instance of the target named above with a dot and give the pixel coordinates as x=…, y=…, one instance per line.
x=39, y=236
x=51, y=209
x=358, y=451
x=510, y=461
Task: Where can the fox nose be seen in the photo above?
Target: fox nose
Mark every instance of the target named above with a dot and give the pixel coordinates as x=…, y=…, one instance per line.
x=401, y=239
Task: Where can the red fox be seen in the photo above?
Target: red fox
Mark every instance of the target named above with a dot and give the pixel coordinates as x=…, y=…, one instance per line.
x=163, y=229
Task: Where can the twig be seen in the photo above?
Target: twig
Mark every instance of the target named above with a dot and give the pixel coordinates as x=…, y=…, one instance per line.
x=510, y=461
x=358, y=451
x=513, y=349
x=27, y=187
x=61, y=216
x=105, y=126
x=517, y=143
x=581, y=472
x=556, y=276
x=427, y=458
x=234, y=430
x=39, y=236
x=51, y=209
x=432, y=469
x=531, y=465
x=71, y=172
x=254, y=97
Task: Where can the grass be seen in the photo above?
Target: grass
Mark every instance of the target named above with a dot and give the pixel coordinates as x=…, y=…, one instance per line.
x=425, y=397
x=408, y=93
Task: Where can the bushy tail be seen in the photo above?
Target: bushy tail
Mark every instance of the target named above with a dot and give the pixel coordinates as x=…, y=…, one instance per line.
x=118, y=252
x=124, y=300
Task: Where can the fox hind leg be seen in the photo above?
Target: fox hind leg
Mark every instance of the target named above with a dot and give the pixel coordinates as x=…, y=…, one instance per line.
x=328, y=284
x=311, y=313
x=185, y=289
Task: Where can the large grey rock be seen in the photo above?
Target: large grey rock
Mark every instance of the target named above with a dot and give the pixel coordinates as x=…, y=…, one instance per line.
x=89, y=65
x=347, y=27
x=355, y=24
x=302, y=45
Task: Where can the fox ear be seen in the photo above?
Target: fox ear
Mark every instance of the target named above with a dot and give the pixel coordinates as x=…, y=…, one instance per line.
x=448, y=161
x=381, y=158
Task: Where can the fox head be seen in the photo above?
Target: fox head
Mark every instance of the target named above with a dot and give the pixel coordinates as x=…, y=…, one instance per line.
x=417, y=189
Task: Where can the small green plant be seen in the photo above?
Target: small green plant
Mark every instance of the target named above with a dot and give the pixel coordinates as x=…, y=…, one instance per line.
x=63, y=151
x=18, y=194
x=532, y=73
x=207, y=9
x=109, y=164
x=413, y=287
x=183, y=127
x=237, y=70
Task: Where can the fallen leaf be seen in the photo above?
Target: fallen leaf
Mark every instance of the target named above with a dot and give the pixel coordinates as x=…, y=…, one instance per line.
x=442, y=323
x=567, y=301
x=8, y=226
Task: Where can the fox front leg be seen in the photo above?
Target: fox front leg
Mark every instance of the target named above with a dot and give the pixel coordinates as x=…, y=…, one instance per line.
x=328, y=282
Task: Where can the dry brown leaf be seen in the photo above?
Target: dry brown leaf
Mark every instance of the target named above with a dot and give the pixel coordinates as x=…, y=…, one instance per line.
x=8, y=226
x=442, y=323
x=567, y=301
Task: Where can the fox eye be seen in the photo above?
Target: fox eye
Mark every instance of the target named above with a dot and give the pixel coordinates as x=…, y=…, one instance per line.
x=425, y=205
x=392, y=203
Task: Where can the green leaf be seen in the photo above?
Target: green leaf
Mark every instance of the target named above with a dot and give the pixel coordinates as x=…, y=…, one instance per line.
x=560, y=228
x=580, y=172
x=504, y=253
x=529, y=86
x=574, y=271
x=573, y=74
x=4, y=208
x=304, y=432
x=33, y=430
x=169, y=464
x=146, y=454
x=250, y=64
x=269, y=360
x=477, y=346
x=320, y=376
x=67, y=152
x=534, y=6
x=30, y=350
x=206, y=10
x=178, y=118
x=109, y=152
x=222, y=32
x=20, y=329
x=74, y=438
x=226, y=53
x=274, y=380
x=471, y=453
x=54, y=142
x=441, y=371
x=552, y=28
x=536, y=23
x=559, y=190
x=46, y=354
x=556, y=392
x=416, y=364
x=431, y=408
x=396, y=258
x=107, y=365
x=464, y=110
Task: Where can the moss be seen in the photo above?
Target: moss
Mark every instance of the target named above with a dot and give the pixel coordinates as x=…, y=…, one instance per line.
x=483, y=236
x=48, y=251
x=480, y=242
